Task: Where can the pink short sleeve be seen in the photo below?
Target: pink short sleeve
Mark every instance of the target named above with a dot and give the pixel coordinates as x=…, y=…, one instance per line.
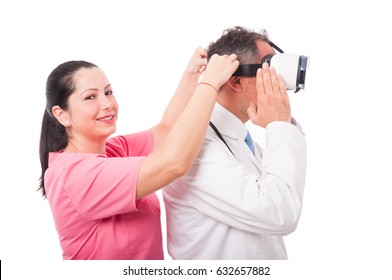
x=136, y=144
x=100, y=186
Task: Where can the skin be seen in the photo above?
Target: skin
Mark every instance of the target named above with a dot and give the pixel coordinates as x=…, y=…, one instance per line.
x=273, y=102
x=92, y=114
x=93, y=110
x=262, y=99
x=169, y=161
x=187, y=86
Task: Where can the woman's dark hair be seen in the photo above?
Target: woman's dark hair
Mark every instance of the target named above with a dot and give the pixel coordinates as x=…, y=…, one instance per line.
x=59, y=86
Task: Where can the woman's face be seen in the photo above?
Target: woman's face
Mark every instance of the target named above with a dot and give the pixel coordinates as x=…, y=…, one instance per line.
x=92, y=107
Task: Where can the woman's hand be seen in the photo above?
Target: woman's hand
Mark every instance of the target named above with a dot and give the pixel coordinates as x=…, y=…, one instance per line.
x=219, y=69
x=198, y=62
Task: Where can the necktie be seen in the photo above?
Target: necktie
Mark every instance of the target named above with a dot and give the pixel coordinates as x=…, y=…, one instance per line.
x=249, y=142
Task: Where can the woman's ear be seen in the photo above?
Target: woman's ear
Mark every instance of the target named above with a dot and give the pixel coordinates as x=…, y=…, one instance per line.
x=61, y=115
x=235, y=83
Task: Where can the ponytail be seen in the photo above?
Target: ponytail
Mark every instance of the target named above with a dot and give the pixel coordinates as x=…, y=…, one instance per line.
x=53, y=138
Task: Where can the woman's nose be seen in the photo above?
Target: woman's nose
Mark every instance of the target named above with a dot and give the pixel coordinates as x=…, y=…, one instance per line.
x=106, y=102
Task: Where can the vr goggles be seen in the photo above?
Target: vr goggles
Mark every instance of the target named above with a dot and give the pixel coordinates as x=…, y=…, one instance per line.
x=291, y=67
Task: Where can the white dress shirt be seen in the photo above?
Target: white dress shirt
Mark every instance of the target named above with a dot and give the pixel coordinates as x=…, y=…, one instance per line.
x=238, y=206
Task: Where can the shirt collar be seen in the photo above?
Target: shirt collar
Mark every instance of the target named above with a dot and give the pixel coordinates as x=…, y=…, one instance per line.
x=227, y=123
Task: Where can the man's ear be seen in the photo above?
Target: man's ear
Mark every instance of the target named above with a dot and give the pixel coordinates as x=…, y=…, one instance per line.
x=61, y=115
x=235, y=83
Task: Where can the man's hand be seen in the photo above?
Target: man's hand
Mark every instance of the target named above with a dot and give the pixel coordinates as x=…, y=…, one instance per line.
x=273, y=102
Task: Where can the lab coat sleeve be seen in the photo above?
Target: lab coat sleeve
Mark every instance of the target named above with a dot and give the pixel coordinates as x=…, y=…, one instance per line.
x=220, y=187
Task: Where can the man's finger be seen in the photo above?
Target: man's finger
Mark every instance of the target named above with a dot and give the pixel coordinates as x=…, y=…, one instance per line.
x=267, y=79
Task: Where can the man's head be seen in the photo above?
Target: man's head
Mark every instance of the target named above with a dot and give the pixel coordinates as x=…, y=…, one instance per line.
x=250, y=47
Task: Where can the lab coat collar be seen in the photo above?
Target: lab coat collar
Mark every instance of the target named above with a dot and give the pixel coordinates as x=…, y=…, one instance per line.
x=227, y=123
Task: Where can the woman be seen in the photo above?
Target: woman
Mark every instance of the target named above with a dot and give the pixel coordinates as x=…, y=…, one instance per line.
x=101, y=189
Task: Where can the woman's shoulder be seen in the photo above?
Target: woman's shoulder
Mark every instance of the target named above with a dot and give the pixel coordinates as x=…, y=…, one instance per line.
x=135, y=144
x=137, y=136
x=65, y=158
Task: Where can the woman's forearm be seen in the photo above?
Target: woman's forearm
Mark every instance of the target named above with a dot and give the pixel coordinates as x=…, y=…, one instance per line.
x=180, y=147
x=181, y=97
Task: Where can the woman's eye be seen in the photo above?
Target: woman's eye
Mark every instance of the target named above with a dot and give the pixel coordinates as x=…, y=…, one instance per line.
x=109, y=92
x=90, y=97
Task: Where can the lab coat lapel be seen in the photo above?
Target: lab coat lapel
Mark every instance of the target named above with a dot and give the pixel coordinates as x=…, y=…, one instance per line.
x=237, y=144
x=253, y=162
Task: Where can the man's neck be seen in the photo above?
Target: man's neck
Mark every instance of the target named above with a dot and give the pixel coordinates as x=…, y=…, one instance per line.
x=233, y=108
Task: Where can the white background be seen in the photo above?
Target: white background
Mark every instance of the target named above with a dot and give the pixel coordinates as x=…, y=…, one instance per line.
x=345, y=228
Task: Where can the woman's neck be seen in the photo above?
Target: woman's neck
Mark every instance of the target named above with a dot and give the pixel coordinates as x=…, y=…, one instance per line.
x=85, y=147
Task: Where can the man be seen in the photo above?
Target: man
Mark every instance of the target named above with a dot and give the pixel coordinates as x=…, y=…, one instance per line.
x=235, y=203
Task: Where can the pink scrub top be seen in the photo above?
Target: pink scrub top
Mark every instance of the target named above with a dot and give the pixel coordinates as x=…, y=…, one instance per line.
x=94, y=206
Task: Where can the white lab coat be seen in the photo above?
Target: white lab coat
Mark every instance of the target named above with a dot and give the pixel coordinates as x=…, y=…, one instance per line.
x=241, y=206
